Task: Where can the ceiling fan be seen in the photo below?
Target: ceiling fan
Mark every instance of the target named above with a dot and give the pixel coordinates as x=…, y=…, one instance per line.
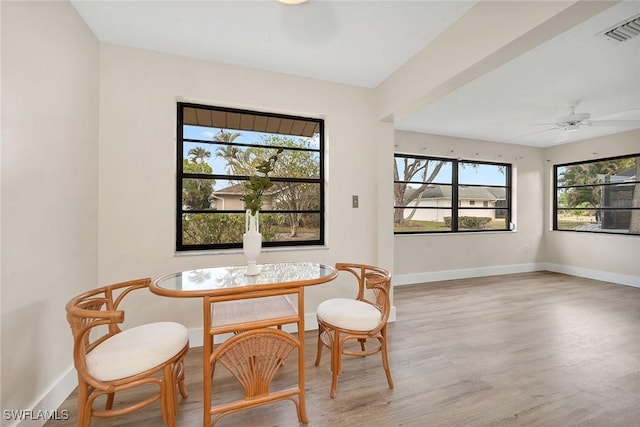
x=572, y=123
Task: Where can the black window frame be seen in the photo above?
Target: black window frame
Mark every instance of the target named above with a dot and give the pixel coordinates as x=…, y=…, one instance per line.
x=455, y=199
x=602, y=210
x=180, y=246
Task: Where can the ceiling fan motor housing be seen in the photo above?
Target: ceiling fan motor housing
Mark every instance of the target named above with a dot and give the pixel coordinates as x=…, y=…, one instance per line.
x=573, y=120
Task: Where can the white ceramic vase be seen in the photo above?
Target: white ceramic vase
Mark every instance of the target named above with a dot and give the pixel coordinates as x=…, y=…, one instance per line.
x=251, y=243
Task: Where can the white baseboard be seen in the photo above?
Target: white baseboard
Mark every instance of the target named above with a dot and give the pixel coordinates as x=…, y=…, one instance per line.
x=52, y=399
x=605, y=276
x=436, y=276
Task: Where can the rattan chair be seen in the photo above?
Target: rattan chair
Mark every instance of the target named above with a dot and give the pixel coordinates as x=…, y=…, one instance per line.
x=254, y=357
x=109, y=360
x=341, y=320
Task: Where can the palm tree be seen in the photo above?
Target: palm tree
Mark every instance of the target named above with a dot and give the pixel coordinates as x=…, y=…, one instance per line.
x=199, y=153
x=228, y=152
x=230, y=155
x=223, y=136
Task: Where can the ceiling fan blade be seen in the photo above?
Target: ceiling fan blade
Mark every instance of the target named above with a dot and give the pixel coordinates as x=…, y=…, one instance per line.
x=612, y=123
x=537, y=132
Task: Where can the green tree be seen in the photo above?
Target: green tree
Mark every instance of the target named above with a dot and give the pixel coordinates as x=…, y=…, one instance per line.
x=196, y=192
x=295, y=197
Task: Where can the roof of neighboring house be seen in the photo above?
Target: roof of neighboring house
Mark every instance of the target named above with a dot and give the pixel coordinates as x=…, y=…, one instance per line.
x=435, y=191
x=631, y=172
x=232, y=190
x=620, y=177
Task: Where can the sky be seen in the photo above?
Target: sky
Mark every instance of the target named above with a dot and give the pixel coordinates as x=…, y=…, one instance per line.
x=482, y=174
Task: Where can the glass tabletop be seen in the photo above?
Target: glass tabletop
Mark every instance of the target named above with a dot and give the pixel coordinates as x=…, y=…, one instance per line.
x=232, y=279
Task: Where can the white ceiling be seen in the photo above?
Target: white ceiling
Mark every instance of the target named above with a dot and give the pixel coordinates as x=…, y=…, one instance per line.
x=364, y=42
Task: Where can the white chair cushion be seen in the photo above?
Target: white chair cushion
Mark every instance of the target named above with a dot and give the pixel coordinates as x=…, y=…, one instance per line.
x=349, y=314
x=136, y=350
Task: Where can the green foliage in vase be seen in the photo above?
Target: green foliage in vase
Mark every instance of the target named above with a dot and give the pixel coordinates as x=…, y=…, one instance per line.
x=257, y=184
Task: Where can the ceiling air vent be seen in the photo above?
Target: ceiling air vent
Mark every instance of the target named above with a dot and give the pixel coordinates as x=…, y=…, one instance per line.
x=623, y=31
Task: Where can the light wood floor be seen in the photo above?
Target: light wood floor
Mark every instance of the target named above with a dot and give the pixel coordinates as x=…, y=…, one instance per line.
x=532, y=349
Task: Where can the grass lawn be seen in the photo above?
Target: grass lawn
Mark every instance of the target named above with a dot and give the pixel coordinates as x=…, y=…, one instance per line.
x=422, y=226
x=573, y=222
x=440, y=226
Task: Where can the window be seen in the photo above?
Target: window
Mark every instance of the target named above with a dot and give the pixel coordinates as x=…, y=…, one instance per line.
x=601, y=196
x=217, y=151
x=445, y=195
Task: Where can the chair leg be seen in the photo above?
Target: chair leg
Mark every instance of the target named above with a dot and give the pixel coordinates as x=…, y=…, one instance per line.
x=178, y=379
x=110, y=398
x=362, y=342
x=85, y=419
x=385, y=359
x=182, y=388
x=336, y=362
x=320, y=345
x=83, y=395
x=168, y=396
x=87, y=412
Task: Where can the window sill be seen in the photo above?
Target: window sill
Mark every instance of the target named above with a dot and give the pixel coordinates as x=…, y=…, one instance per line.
x=239, y=250
x=457, y=233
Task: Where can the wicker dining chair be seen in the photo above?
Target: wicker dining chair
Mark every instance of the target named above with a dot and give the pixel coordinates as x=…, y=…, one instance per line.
x=254, y=357
x=109, y=360
x=341, y=320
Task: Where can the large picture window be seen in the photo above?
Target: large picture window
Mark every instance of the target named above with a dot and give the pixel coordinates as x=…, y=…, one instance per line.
x=601, y=196
x=448, y=195
x=218, y=150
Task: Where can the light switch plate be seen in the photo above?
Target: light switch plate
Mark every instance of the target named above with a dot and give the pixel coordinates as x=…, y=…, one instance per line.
x=354, y=201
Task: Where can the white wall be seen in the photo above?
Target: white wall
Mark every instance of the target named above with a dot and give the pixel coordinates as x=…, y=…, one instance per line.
x=421, y=258
x=50, y=64
x=600, y=256
x=138, y=95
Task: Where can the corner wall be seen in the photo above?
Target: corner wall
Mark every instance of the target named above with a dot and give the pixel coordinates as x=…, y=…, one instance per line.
x=430, y=257
x=598, y=256
x=49, y=200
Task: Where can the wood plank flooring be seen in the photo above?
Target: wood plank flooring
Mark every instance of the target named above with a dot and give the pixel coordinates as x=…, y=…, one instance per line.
x=531, y=349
